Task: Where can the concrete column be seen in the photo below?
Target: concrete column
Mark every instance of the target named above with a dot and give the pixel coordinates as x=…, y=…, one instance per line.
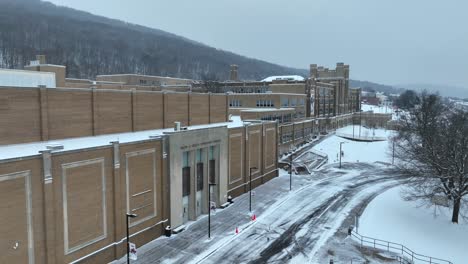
x=189, y=114
x=192, y=215
x=227, y=107
x=44, y=113
x=246, y=158
x=119, y=205
x=166, y=179
x=209, y=108
x=262, y=155
x=49, y=208
x=134, y=113
x=165, y=106
x=94, y=110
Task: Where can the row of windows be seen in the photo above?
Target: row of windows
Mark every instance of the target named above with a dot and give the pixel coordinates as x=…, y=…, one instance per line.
x=288, y=136
x=285, y=101
x=235, y=103
x=281, y=118
x=265, y=103
x=246, y=90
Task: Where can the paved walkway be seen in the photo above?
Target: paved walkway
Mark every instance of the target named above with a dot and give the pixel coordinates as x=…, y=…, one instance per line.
x=185, y=246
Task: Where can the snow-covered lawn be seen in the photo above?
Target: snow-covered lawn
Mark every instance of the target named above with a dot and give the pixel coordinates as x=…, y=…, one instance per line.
x=390, y=218
x=377, y=109
x=355, y=151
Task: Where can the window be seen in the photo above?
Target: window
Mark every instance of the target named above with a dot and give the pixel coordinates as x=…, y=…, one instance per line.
x=186, y=173
x=186, y=159
x=286, y=137
x=284, y=101
x=299, y=134
x=293, y=101
x=143, y=82
x=199, y=155
x=199, y=159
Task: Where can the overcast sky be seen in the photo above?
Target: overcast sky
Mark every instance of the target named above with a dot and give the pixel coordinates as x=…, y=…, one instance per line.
x=385, y=41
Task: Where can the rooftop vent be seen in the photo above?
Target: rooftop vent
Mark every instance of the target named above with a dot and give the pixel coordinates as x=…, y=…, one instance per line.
x=54, y=146
x=176, y=126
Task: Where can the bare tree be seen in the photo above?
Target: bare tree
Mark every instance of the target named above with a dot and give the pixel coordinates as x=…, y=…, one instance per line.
x=432, y=150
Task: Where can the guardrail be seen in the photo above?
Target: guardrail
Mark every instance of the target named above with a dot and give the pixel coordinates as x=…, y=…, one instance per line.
x=406, y=253
x=362, y=138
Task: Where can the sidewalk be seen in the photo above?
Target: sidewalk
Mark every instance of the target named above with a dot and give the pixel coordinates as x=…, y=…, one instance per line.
x=184, y=247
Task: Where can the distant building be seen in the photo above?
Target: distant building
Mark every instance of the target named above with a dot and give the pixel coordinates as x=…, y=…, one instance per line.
x=268, y=106
x=21, y=78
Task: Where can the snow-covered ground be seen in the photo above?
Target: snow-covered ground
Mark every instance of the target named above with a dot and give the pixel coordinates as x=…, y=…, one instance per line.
x=355, y=151
x=390, y=218
x=377, y=109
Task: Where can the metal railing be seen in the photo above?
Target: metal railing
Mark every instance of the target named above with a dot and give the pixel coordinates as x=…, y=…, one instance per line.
x=360, y=138
x=406, y=253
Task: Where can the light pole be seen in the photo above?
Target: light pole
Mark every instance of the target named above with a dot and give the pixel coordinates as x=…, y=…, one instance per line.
x=290, y=170
x=341, y=143
x=360, y=122
x=250, y=188
x=128, y=239
x=209, y=208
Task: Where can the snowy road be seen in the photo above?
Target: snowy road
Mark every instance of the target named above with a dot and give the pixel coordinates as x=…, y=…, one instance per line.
x=293, y=229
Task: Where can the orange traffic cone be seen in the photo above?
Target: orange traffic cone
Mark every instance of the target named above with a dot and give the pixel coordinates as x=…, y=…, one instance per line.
x=254, y=217
x=237, y=230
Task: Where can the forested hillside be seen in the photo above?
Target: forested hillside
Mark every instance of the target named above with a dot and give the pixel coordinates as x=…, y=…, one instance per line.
x=90, y=45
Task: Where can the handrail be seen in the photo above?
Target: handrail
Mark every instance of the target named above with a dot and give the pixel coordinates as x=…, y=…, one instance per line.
x=405, y=252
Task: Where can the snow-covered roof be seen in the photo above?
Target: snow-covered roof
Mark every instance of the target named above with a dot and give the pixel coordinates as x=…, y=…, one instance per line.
x=284, y=77
x=31, y=149
x=22, y=78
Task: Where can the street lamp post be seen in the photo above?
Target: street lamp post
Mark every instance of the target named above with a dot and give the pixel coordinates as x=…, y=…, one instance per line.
x=250, y=188
x=209, y=208
x=128, y=235
x=341, y=143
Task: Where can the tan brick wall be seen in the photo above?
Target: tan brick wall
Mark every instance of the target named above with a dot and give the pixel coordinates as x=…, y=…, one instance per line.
x=78, y=181
x=114, y=112
x=141, y=165
x=199, y=109
x=236, y=157
x=218, y=108
x=270, y=146
x=14, y=208
x=70, y=113
x=176, y=109
x=294, y=88
x=32, y=114
x=149, y=111
x=19, y=115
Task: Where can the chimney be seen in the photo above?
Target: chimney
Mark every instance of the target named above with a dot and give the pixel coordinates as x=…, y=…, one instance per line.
x=176, y=126
x=234, y=76
x=41, y=59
